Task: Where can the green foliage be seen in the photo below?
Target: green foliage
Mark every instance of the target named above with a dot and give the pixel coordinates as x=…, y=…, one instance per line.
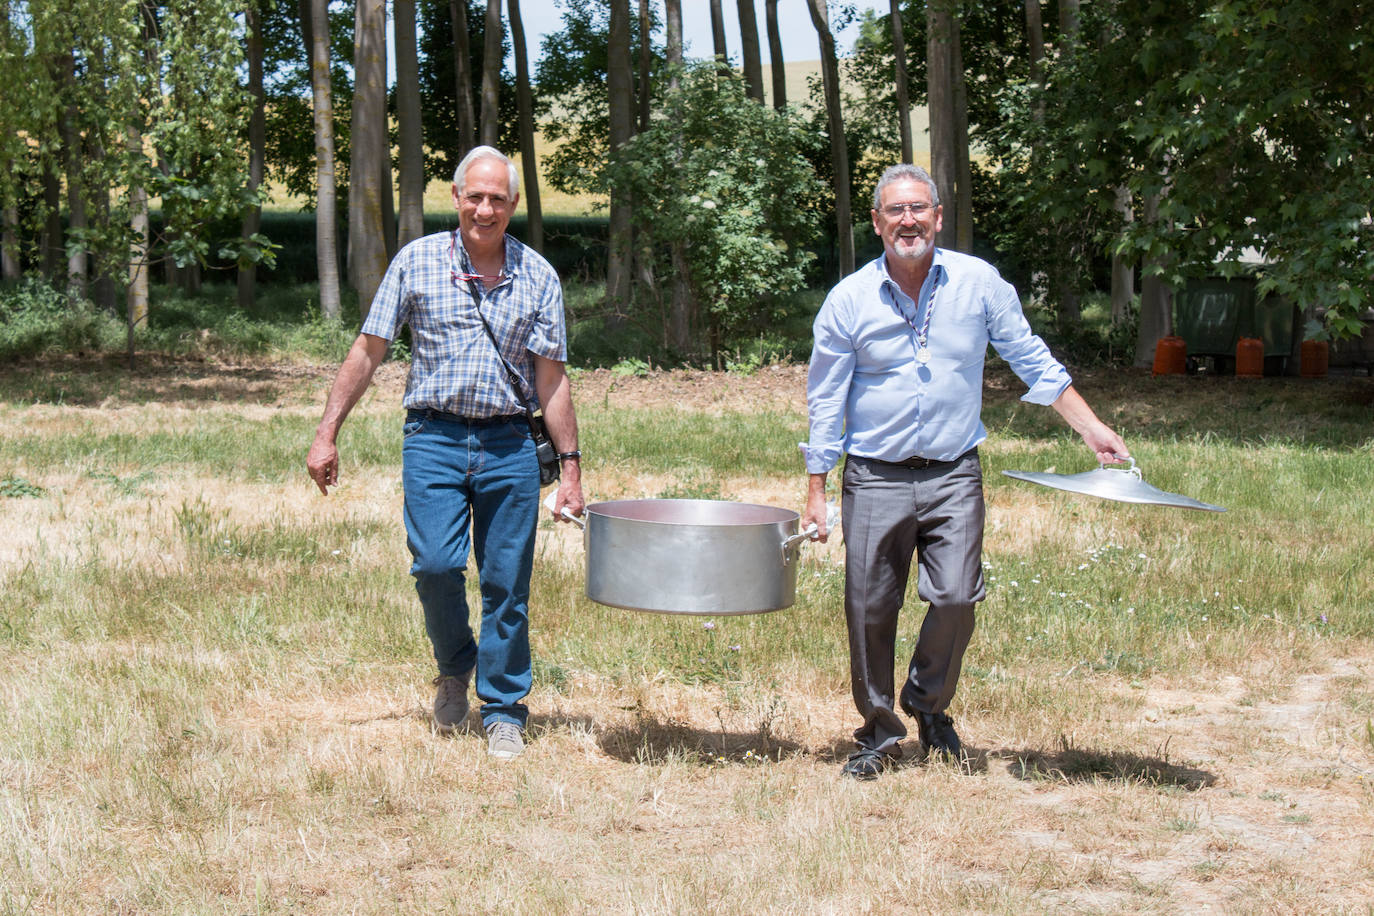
x=724, y=178
x=1248, y=122
x=439, y=88
x=128, y=97
x=571, y=78
x=289, y=104
x=36, y=319
x=12, y=487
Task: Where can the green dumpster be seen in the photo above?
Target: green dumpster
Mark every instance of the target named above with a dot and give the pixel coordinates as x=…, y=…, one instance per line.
x=1212, y=315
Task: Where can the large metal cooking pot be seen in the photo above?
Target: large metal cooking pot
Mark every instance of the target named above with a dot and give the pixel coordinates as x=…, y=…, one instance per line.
x=691, y=556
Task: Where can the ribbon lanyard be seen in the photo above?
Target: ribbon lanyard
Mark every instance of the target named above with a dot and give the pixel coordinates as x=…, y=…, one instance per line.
x=923, y=332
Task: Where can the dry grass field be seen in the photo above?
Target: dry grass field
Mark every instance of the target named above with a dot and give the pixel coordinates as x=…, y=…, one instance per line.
x=215, y=681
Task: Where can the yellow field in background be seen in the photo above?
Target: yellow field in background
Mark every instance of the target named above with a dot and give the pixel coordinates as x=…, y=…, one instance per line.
x=438, y=197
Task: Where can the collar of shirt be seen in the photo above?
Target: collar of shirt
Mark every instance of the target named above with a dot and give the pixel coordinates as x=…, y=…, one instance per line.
x=461, y=264
x=912, y=311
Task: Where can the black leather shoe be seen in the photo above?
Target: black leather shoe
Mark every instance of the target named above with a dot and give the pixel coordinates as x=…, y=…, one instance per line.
x=938, y=734
x=866, y=763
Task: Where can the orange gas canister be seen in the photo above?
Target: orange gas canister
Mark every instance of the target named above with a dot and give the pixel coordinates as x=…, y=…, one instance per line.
x=1250, y=358
x=1171, y=356
x=1315, y=357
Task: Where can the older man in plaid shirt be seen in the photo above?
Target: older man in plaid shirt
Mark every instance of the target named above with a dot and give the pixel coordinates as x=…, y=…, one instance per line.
x=468, y=462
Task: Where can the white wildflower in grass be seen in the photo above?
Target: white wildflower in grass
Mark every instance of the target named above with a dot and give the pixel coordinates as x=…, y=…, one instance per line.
x=709, y=625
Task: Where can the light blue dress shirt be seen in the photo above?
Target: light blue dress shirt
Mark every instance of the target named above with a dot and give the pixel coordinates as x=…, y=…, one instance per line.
x=868, y=395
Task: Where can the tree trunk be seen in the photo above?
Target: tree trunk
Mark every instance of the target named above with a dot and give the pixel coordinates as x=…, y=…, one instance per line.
x=257, y=143
x=412, y=222
x=1123, y=271
x=9, y=245
x=1068, y=22
x=776, y=64
x=534, y=235
x=491, y=75
x=899, y=70
x=681, y=311
x=718, y=33
x=1035, y=38
x=366, y=231
x=644, y=91
x=944, y=164
x=620, y=94
x=73, y=160
x=52, y=222
x=1156, y=301
x=750, y=54
x=104, y=292
x=839, y=150
x=315, y=14
x=1070, y=309
x=136, y=297
x=462, y=71
x=673, y=24
x=963, y=187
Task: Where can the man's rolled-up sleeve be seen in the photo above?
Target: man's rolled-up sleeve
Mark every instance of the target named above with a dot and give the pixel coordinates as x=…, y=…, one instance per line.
x=1012, y=337
x=827, y=389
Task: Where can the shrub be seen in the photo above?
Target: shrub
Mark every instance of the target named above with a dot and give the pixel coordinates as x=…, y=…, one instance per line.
x=36, y=319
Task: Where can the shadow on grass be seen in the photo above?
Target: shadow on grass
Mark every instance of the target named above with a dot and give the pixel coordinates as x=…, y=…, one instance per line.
x=1079, y=765
x=91, y=381
x=653, y=740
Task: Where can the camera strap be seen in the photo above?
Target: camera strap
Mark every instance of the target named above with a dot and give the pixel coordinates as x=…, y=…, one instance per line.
x=512, y=377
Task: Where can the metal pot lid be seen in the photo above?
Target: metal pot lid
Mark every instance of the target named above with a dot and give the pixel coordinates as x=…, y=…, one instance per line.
x=1123, y=485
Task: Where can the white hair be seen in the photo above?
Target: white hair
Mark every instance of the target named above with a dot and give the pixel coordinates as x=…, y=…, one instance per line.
x=905, y=172
x=478, y=153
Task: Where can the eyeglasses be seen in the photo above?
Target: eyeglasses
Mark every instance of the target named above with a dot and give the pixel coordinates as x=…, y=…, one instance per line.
x=896, y=211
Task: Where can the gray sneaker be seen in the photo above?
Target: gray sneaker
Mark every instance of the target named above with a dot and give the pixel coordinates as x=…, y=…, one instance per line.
x=450, y=702
x=504, y=740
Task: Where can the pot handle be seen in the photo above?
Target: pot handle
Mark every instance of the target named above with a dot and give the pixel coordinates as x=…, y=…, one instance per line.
x=575, y=519
x=1122, y=459
x=811, y=533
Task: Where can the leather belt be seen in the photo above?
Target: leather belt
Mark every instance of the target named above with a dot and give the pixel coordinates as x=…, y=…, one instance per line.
x=429, y=413
x=920, y=463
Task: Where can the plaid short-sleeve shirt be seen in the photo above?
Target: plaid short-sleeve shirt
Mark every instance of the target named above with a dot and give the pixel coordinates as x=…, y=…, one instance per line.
x=453, y=365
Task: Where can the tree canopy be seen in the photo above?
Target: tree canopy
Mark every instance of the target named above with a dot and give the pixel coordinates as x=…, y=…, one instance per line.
x=1191, y=138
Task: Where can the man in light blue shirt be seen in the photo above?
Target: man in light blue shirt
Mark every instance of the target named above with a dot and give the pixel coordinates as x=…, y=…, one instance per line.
x=896, y=387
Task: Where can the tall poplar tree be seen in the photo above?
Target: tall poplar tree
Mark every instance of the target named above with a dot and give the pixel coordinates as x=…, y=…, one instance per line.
x=326, y=204
x=370, y=154
x=750, y=55
x=839, y=150
x=620, y=100
x=411, y=224
x=524, y=97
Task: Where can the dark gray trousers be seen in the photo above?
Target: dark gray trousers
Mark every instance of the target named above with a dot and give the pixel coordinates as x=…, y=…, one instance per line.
x=889, y=513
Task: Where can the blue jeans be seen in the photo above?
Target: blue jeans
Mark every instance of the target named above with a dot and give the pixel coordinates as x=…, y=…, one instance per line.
x=480, y=477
